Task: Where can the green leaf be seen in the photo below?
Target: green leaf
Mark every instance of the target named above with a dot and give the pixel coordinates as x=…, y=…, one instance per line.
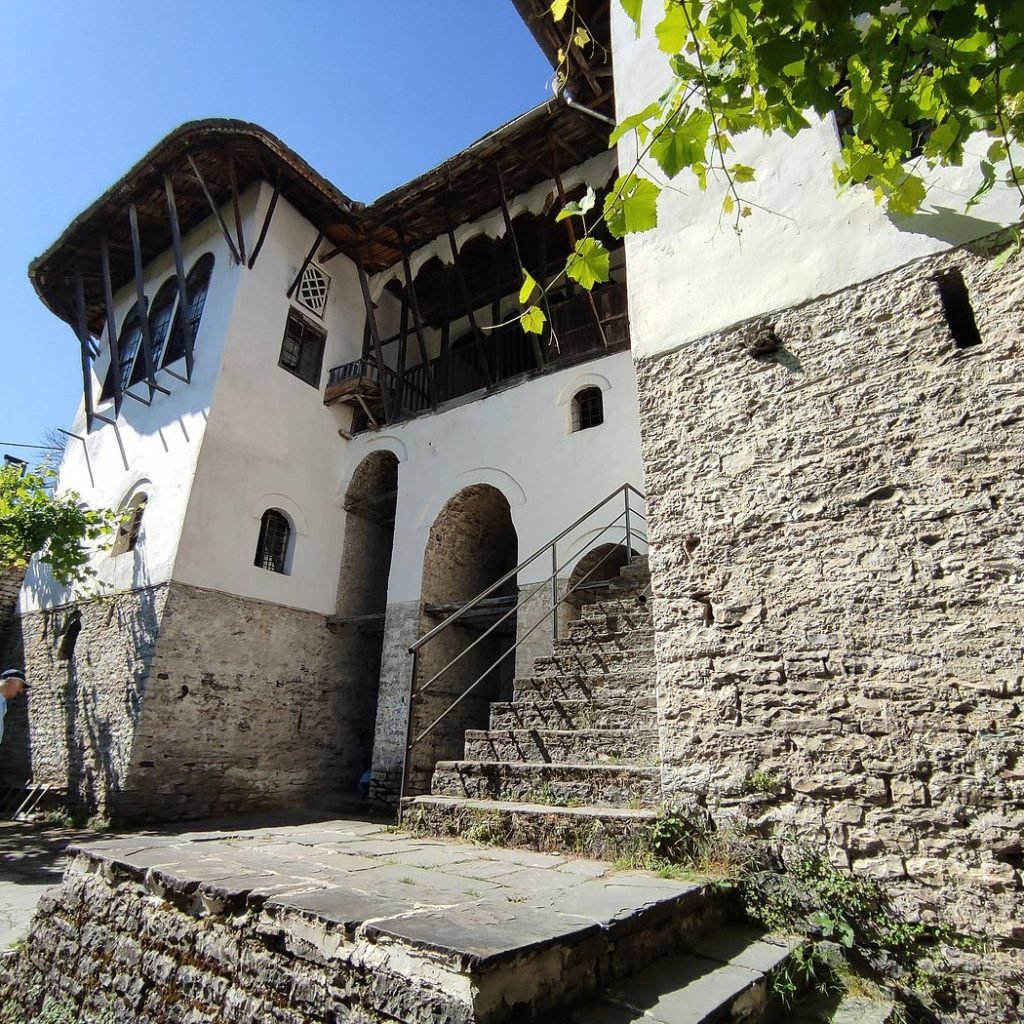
x=532, y=321
x=672, y=31
x=582, y=37
x=633, y=9
x=728, y=205
x=631, y=206
x=528, y=288
x=682, y=142
x=906, y=198
x=633, y=122
x=574, y=209
x=589, y=263
x=741, y=173
x=559, y=9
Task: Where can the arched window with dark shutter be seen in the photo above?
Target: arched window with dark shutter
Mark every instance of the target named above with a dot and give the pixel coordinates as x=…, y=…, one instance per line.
x=587, y=409
x=128, y=342
x=272, y=547
x=197, y=284
x=161, y=314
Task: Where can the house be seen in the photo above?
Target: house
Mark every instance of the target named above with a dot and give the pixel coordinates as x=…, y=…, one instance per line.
x=348, y=437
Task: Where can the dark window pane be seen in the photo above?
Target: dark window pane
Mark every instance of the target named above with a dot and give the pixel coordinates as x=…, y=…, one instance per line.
x=587, y=409
x=197, y=284
x=272, y=546
x=302, y=349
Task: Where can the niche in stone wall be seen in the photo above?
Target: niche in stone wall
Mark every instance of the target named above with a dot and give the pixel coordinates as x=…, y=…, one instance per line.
x=472, y=544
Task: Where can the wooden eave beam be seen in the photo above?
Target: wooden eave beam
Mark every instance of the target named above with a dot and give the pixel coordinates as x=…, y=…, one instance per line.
x=82, y=329
x=108, y=299
x=142, y=305
x=238, y=213
x=410, y=287
x=403, y=339
x=371, y=318
x=185, y=321
x=215, y=209
x=268, y=217
x=306, y=262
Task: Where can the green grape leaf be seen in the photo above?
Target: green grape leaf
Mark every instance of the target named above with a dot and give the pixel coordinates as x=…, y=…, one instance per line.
x=589, y=263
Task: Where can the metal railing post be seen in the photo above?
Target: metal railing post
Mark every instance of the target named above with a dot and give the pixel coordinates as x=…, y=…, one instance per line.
x=629, y=536
x=403, y=785
x=554, y=592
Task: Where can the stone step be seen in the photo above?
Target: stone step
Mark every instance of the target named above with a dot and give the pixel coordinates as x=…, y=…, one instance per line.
x=602, y=832
x=576, y=686
x=615, y=622
x=595, y=664
x=725, y=977
x=562, y=785
x=343, y=921
x=634, y=641
x=843, y=1008
x=598, y=713
x=565, y=746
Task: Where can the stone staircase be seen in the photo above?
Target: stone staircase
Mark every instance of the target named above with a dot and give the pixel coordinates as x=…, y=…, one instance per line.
x=570, y=764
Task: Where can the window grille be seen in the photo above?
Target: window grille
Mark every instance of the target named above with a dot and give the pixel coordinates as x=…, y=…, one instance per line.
x=127, y=347
x=272, y=546
x=313, y=288
x=160, y=316
x=302, y=350
x=587, y=409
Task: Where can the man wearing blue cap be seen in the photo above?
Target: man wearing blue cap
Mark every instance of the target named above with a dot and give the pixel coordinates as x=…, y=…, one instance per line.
x=12, y=682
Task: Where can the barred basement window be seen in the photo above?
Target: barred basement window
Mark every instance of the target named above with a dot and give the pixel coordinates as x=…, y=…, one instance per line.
x=587, y=409
x=302, y=351
x=272, y=546
x=313, y=288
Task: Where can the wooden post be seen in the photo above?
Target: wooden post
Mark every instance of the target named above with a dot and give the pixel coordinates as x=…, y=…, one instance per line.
x=216, y=210
x=572, y=242
x=510, y=232
x=371, y=319
x=238, y=213
x=142, y=305
x=306, y=262
x=108, y=298
x=417, y=320
x=267, y=218
x=184, y=320
x=478, y=338
x=445, y=360
x=82, y=329
x=366, y=340
x=403, y=338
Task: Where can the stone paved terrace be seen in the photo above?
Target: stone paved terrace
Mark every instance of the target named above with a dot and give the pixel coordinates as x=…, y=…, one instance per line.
x=269, y=922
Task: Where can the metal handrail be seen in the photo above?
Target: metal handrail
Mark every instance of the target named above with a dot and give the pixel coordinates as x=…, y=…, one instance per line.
x=625, y=490
x=631, y=534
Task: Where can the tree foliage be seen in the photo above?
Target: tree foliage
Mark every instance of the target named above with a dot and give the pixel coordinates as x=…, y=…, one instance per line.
x=913, y=85
x=60, y=528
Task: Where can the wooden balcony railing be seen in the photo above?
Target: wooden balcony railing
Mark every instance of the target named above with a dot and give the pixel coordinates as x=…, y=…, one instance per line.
x=509, y=352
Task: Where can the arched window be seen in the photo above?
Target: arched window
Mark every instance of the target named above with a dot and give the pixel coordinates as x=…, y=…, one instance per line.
x=587, y=409
x=272, y=546
x=131, y=524
x=197, y=284
x=127, y=347
x=160, y=316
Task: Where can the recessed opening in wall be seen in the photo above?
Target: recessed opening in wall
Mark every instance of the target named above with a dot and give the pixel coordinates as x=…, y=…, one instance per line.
x=957, y=308
x=272, y=545
x=302, y=350
x=128, y=531
x=587, y=409
x=69, y=635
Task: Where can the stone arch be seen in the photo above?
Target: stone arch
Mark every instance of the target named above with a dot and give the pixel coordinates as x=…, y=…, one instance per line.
x=370, y=500
x=510, y=487
x=472, y=544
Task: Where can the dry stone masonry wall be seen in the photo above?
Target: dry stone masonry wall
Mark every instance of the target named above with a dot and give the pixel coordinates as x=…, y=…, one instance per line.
x=835, y=497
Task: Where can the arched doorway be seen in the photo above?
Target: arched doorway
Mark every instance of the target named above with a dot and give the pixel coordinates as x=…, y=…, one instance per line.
x=591, y=573
x=472, y=544
x=370, y=503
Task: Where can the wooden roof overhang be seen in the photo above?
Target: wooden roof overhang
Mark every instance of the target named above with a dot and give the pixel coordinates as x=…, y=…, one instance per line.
x=229, y=155
x=588, y=72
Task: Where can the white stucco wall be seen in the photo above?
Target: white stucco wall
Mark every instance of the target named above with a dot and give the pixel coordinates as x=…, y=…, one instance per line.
x=693, y=274
x=270, y=441
x=153, y=448
x=519, y=441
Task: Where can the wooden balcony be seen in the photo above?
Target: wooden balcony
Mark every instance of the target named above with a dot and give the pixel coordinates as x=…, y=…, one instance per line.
x=585, y=327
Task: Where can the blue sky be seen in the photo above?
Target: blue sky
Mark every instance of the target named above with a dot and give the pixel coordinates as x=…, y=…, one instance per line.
x=370, y=92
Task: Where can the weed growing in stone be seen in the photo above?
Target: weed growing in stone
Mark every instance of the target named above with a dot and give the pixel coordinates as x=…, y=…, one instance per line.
x=762, y=783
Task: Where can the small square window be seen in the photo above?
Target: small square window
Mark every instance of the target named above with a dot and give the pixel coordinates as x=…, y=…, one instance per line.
x=587, y=409
x=313, y=288
x=302, y=351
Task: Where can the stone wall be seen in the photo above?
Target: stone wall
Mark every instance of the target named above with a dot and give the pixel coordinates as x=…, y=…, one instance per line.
x=10, y=584
x=248, y=708
x=88, y=664
x=835, y=497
